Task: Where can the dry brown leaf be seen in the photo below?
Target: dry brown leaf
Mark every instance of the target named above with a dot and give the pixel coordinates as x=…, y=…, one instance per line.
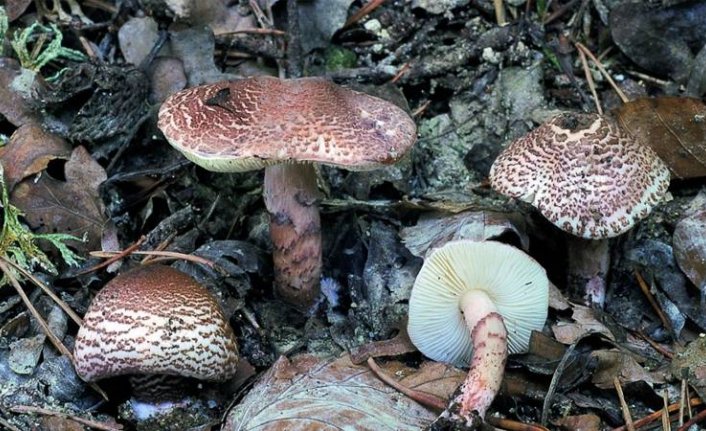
x=675, y=127
x=587, y=422
x=615, y=363
x=29, y=152
x=584, y=323
x=72, y=206
x=15, y=8
x=689, y=242
x=307, y=393
x=435, y=230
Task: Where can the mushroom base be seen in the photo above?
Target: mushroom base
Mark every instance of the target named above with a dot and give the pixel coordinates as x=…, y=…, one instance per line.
x=291, y=196
x=589, y=262
x=489, y=337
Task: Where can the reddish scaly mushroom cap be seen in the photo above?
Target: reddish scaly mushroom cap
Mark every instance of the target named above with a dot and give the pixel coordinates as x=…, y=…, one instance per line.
x=155, y=320
x=584, y=174
x=251, y=123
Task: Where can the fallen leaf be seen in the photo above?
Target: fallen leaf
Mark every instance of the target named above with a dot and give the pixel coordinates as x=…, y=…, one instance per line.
x=690, y=364
x=675, y=127
x=616, y=363
x=689, y=242
x=307, y=393
x=29, y=152
x=15, y=8
x=72, y=206
x=12, y=105
x=587, y=422
x=435, y=230
x=584, y=323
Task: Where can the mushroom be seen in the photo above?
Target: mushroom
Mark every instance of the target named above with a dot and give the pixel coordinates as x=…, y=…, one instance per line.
x=284, y=126
x=590, y=178
x=155, y=320
x=472, y=302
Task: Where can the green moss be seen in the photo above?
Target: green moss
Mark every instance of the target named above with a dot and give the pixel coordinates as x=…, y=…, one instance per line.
x=339, y=58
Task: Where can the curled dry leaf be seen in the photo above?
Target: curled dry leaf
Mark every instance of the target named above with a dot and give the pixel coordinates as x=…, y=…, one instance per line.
x=675, y=127
x=435, y=230
x=72, y=206
x=585, y=322
x=689, y=242
x=587, y=422
x=307, y=393
x=13, y=80
x=29, y=152
x=616, y=363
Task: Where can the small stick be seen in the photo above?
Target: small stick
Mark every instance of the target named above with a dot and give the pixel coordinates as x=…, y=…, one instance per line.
x=646, y=291
x=89, y=423
x=428, y=400
x=500, y=17
x=119, y=255
x=363, y=12
x=600, y=67
x=42, y=324
x=623, y=405
x=696, y=419
x=266, y=31
x=162, y=254
x=511, y=425
x=658, y=414
x=648, y=78
x=589, y=80
x=666, y=423
x=160, y=247
x=419, y=111
x=400, y=73
x=64, y=306
x=682, y=401
x=657, y=347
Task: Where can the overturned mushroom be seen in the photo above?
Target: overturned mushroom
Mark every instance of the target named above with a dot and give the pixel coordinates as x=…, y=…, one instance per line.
x=589, y=178
x=473, y=302
x=285, y=126
x=155, y=320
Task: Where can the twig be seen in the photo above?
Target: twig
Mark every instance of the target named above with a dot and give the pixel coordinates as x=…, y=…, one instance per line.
x=364, y=11
x=89, y=423
x=646, y=291
x=400, y=73
x=623, y=405
x=500, y=17
x=656, y=415
x=115, y=258
x=426, y=399
x=605, y=73
x=163, y=254
x=42, y=324
x=589, y=80
x=266, y=31
x=657, y=347
x=696, y=419
x=398, y=345
x=64, y=306
x=419, y=111
x=666, y=422
x=509, y=424
x=682, y=401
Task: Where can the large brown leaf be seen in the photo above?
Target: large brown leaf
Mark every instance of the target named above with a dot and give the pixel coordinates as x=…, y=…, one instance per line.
x=308, y=393
x=29, y=152
x=72, y=206
x=675, y=127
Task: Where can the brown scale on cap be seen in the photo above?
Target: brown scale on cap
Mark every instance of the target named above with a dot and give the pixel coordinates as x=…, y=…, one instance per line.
x=251, y=123
x=155, y=320
x=584, y=174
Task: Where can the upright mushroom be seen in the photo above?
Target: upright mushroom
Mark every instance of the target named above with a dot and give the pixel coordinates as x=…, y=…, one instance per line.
x=285, y=126
x=155, y=320
x=590, y=178
x=472, y=302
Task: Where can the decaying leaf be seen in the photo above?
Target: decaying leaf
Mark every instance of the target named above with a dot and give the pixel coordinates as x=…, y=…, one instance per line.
x=587, y=422
x=585, y=322
x=689, y=242
x=615, y=363
x=675, y=127
x=72, y=206
x=436, y=229
x=29, y=152
x=691, y=365
x=12, y=104
x=307, y=393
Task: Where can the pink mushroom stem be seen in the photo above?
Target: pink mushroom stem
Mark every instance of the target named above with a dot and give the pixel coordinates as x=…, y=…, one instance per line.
x=587, y=272
x=291, y=195
x=487, y=363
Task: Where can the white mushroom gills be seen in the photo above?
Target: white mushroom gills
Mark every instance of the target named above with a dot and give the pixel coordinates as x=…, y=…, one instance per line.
x=471, y=303
x=155, y=320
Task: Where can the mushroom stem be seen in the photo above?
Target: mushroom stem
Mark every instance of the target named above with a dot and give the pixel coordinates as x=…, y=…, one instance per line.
x=291, y=195
x=487, y=363
x=589, y=261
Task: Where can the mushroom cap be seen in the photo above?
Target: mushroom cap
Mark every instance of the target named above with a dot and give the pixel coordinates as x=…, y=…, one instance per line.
x=514, y=282
x=237, y=126
x=584, y=174
x=155, y=320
